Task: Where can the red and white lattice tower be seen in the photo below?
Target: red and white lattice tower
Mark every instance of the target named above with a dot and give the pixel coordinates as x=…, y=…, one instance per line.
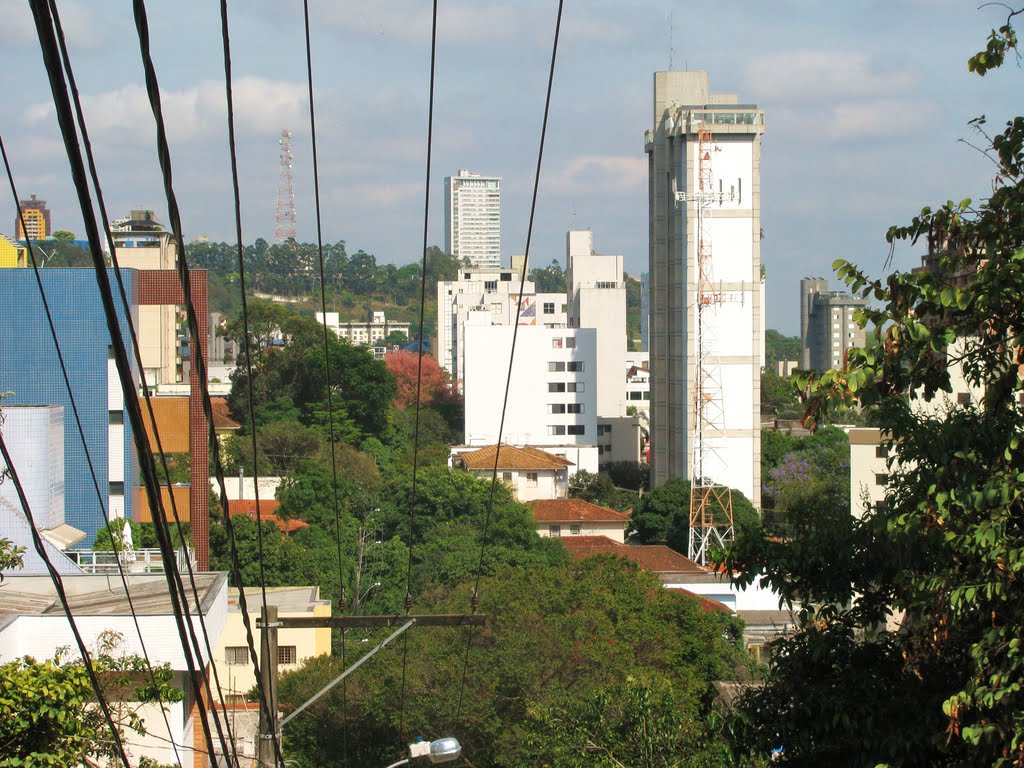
x=284, y=217
x=711, y=520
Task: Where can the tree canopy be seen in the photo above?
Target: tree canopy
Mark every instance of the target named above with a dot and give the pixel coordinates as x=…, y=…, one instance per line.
x=909, y=652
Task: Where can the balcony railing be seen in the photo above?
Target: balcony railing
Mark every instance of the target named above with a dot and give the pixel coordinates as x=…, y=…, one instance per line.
x=132, y=561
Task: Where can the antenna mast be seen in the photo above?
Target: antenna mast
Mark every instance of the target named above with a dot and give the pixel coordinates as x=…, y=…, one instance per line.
x=711, y=518
x=284, y=217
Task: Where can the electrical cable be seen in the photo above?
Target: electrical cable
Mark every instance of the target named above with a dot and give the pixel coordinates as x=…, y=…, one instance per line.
x=81, y=431
x=327, y=369
x=58, y=583
x=419, y=365
x=65, y=119
x=104, y=218
x=163, y=152
x=475, y=599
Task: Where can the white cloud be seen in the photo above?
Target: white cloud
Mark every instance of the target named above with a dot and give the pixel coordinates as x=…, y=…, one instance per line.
x=811, y=75
x=586, y=175
x=853, y=120
x=123, y=114
x=80, y=25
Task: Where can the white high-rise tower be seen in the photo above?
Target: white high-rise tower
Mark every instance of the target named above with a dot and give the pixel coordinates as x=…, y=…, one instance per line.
x=691, y=313
x=472, y=215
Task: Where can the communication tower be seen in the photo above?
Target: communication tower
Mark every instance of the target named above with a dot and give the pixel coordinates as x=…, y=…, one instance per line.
x=711, y=518
x=284, y=218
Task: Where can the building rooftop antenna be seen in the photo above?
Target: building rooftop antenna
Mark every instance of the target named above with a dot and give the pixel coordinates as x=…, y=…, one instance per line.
x=284, y=216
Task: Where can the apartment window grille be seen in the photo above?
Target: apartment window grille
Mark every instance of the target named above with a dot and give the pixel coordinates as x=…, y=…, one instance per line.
x=556, y=408
x=286, y=654
x=554, y=531
x=556, y=386
x=531, y=479
x=556, y=429
x=575, y=386
x=236, y=654
x=575, y=529
x=506, y=476
x=549, y=307
x=574, y=408
x=556, y=367
x=490, y=285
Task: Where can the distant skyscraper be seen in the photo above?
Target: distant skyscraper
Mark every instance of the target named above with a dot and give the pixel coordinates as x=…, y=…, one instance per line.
x=472, y=214
x=827, y=328
x=37, y=220
x=731, y=313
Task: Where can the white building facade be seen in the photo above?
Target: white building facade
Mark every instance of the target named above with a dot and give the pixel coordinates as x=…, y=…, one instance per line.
x=683, y=104
x=552, y=391
x=472, y=213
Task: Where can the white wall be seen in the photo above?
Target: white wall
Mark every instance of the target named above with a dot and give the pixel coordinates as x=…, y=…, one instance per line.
x=529, y=418
x=35, y=439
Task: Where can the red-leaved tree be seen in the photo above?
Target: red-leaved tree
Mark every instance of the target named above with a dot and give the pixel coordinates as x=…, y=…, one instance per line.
x=434, y=380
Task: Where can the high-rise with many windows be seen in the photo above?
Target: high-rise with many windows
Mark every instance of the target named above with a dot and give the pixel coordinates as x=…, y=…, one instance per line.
x=828, y=329
x=37, y=220
x=472, y=213
x=704, y=161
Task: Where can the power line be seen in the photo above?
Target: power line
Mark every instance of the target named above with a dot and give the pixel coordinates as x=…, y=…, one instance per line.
x=48, y=45
x=475, y=600
x=419, y=359
x=327, y=369
x=81, y=433
x=58, y=584
x=69, y=71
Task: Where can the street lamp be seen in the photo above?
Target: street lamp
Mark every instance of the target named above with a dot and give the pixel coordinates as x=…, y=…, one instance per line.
x=438, y=751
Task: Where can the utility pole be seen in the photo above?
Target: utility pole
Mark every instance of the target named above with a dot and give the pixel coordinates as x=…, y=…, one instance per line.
x=268, y=680
x=269, y=624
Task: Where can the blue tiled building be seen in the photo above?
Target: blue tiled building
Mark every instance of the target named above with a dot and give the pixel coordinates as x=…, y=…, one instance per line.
x=30, y=369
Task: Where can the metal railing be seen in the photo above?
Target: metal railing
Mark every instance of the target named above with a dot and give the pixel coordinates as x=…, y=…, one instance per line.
x=133, y=561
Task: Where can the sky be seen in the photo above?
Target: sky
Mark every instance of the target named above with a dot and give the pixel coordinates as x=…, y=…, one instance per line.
x=867, y=106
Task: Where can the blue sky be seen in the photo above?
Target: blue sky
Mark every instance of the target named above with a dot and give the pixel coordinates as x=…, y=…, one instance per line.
x=865, y=104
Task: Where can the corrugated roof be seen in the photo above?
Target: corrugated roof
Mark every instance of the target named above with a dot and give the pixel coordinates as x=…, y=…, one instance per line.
x=652, y=557
x=781, y=618
x=574, y=510
x=511, y=457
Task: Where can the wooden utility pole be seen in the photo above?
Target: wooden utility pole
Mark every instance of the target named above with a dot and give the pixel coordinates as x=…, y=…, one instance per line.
x=268, y=733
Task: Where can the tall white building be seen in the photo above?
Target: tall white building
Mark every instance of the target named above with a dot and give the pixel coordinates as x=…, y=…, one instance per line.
x=683, y=104
x=552, y=396
x=472, y=214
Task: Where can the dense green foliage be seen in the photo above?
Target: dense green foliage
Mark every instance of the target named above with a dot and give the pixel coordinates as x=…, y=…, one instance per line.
x=778, y=347
x=48, y=711
x=592, y=664
x=910, y=652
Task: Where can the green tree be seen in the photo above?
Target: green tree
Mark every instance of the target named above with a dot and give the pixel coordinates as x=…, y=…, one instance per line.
x=549, y=279
x=946, y=551
x=48, y=712
x=663, y=516
x=581, y=664
x=778, y=347
x=599, y=489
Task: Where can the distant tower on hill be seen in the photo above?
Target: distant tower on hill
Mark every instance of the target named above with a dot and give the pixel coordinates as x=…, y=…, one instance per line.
x=284, y=218
x=37, y=220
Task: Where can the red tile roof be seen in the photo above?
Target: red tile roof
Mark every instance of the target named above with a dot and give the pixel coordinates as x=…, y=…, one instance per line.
x=510, y=457
x=574, y=510
x=706, y=603
x=221, y=416
x=652, y=557
x=247, y=507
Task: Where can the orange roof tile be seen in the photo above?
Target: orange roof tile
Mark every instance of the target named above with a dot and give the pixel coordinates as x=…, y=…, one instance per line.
x=511, y=457
x=652, y=557
x=707, y=604
x=574, y=510
x=247, y=507
x=221, y=415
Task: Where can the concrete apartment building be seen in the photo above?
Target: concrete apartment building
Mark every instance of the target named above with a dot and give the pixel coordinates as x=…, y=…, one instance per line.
x=683, y=104
x=488, y=297
x=827, y=327
x=552, y=396
x=38, y=225
x=366, y=332
x=472, y=214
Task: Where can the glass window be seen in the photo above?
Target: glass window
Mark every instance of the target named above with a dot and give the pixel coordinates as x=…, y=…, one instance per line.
x=881, y=452
x=549, y=307
x=116, y=417
x=556, y=367
x=556, y=386
x=531, y=479
x=555, y=531
x=556, y=408
x=490, y=285
x=576, y=429
x=575, y=529
x=556, y=429
x=236, y=654
x=575, y=366
x=506, y=476
x=881, y=478
x=116, y=488
x=286, y=654
x=575, y=408
x=570, y=342
x=556, y=343
x=574, y=386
